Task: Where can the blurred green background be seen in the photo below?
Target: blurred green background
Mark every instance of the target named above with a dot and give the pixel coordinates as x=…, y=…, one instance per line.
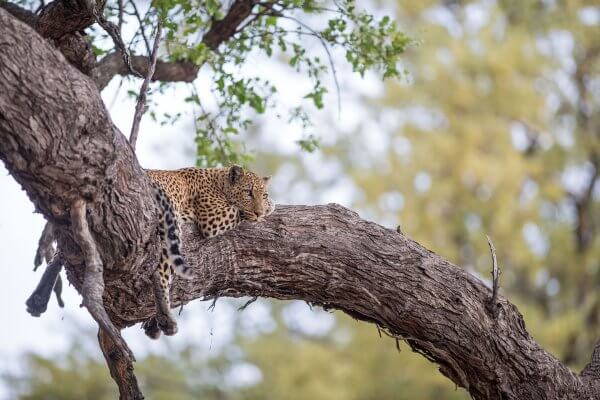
x=494, y=129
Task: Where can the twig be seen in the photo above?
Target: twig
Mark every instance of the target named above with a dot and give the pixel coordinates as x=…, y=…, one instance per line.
x=243, y=307
x=114, y=33
x=120, y=3
x=37, y=303
x=93, y=282
x=327, y=51
x=493, y=306
x=42, y=5
x=141, y=100
x=138, y=16
x=213, y=304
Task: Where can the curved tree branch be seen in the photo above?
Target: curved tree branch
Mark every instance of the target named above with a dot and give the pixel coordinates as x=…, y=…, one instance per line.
x=165, y=71
x=58, y=142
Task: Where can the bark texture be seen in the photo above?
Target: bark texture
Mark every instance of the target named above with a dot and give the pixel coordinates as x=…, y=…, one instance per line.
x=58, y=142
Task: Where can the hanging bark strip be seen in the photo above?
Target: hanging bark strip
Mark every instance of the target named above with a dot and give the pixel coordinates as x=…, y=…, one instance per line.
x=93, y=280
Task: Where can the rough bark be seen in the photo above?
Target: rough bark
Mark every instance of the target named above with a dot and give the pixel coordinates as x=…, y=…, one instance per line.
x=121, y=370
x=58, y=142
x=60, y=22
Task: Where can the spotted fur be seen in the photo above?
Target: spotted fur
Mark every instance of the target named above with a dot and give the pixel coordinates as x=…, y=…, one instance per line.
x=168, y=231
x=215, y=200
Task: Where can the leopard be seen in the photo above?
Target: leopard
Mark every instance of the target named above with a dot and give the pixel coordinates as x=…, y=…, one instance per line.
x=216, y=200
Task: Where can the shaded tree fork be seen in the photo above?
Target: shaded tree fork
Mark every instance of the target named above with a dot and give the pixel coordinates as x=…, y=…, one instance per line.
x=58, y=142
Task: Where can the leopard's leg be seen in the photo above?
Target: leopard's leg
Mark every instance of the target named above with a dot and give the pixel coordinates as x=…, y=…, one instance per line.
x=163, y=320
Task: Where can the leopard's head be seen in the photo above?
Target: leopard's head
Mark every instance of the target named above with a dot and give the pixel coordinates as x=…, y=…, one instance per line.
x=248, y=192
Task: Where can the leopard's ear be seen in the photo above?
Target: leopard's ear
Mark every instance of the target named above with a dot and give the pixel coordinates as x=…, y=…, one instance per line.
x=235, y=173
x=266, y=180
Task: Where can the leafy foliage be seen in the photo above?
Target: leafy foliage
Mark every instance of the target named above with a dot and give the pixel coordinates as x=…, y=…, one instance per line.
x=281, y=30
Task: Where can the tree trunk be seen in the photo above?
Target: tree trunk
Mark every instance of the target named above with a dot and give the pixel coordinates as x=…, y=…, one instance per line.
x=58, y=142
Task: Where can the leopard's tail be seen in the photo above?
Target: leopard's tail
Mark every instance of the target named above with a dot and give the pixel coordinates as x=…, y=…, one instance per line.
x=168, y=231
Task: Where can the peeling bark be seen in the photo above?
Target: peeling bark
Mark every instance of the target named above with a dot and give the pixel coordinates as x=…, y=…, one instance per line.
x=57, y=141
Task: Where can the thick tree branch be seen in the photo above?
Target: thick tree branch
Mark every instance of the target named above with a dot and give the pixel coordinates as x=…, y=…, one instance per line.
x=20, y=13
x=222, y=30
x=59, y=144
x=112, y=64
x=61, y=17
x=61, y=28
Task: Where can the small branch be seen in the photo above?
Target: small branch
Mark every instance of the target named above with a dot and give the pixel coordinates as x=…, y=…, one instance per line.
x=93, y=283
x=120, y=366
x=120, y=26
x=138, y=16
x=252, y=300
x=165, y=71
x=114, y=33
x=327, y=51
x=37, y=303
x=141, y=100
x=493, y=306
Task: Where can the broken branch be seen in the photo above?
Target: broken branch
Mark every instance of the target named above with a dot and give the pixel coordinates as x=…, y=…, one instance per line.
x=93, y=284
x=493, y=306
